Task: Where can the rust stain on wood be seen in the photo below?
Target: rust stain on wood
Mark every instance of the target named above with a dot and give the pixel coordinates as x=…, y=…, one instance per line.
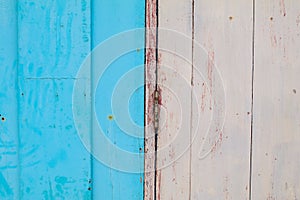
x=282, y=8
x=210, y=65
x=150, y=65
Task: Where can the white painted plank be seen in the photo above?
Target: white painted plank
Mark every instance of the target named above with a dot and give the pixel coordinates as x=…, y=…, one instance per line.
x=276, y=131
x=174, y=77
x=222, y=87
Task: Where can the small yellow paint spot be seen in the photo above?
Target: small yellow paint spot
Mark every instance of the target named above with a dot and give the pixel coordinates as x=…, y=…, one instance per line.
x=110, y=117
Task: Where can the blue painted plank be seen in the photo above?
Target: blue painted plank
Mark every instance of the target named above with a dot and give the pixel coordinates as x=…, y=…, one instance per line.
x=54, y=38
x=110, y=18
x=41, y=155
x=8, y=101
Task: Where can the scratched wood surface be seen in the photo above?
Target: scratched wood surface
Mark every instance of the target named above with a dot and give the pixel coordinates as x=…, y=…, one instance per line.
x=174, y=87
x=226, y=75
x=150, y=84
x=276, y=128
x=222, y=84
x=216, y=163
x=244, y=72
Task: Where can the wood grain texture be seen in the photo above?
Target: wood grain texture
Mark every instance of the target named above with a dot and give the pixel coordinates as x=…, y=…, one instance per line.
x=150, y=80
x=174, y=86
x=276, y=128
x=221, y=149
x=218, y=164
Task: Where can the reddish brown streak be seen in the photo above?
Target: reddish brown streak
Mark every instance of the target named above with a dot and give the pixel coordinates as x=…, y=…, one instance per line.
x=217, y=143
x=282, y=8
x=273, y=36
x=211, y=60
x=159, y=96
x=150, y=65
x=150, y=101
x=274, y=40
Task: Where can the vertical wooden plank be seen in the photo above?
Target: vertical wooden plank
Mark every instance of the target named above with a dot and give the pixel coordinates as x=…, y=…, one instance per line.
x=150, y=74
x=54, y=38
x=276, y=100
x=222, y=85
x=174, y=78
x=110, y=18
x=8, y=98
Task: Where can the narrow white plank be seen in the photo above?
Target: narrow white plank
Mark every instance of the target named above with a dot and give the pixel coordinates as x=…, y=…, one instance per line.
x=276, y=132
x=174, y=78
x=222, y=87
x=150, y=65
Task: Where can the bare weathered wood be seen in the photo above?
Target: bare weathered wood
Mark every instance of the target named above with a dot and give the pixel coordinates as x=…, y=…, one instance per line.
x=150, y=74
x=276, y=130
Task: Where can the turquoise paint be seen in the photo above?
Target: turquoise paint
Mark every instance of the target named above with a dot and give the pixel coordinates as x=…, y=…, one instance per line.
x=9, y=181
x=41, y=155
x=51, y=48
x=110, y=18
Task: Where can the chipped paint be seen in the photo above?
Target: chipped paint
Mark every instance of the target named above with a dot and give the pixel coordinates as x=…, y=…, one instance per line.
x=150, y=70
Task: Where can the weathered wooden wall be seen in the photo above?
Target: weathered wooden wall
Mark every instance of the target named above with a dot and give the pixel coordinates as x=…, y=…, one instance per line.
x=222, y=103
x=276, y=102
x=230, y=93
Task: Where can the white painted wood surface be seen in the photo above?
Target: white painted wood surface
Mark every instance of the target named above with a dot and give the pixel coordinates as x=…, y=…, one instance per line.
x=236, y=103
x=276, y=131
x=174, y=78
x=217, y=165
x=220, y=170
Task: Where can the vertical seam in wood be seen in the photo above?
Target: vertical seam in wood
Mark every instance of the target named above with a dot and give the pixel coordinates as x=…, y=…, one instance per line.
x=156, y=120
x=151, y=89
x=252, y=98
x=145, y=95
x=191, y=114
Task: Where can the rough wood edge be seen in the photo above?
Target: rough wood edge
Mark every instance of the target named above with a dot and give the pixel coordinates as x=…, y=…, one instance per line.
x=150, y=85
